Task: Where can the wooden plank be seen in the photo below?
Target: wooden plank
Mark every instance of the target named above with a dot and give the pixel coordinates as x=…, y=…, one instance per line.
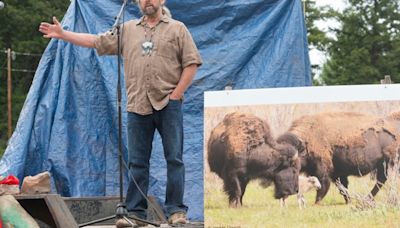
x=50, y=209
x=38, y=209
x=60, y=212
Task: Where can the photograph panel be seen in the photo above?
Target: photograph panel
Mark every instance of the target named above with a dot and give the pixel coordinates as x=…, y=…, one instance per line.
x=346, y=145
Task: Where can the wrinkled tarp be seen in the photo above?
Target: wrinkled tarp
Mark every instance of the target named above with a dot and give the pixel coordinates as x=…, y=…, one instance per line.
x=68, y=124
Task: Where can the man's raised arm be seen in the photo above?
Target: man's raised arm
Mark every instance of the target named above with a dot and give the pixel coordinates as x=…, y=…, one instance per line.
x=56, y=31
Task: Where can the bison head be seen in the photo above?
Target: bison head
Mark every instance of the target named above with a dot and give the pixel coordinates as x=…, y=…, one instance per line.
x=286, y=182
x=286, y=179
x=291, y=139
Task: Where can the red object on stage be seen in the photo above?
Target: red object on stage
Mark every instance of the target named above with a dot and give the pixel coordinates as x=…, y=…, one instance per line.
x=10, y=180
x=9, y=186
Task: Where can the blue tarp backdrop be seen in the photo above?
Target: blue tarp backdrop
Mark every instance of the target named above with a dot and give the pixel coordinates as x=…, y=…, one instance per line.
x=68, y=124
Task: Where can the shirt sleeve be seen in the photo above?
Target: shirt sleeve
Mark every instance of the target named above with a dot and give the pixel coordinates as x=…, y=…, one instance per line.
x=189, y=52
x=106, y=44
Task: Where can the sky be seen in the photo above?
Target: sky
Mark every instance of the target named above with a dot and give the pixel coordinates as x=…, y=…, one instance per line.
x=317, y=57
x=337, y=4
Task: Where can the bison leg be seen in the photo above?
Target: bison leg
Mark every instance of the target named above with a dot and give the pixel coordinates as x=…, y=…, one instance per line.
x=325, y=183
x=283, y=201
x=301, y=201
x=243, y=184
x=233, y=189
x=380, y=178
x=345, y=182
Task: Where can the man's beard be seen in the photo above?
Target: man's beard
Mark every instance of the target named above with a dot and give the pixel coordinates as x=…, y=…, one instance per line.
x=150, y=10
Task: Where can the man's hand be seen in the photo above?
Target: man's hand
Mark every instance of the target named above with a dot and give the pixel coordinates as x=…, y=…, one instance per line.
x=56, y=31
x=175, y=96
x=186, y=78
x=51, y=30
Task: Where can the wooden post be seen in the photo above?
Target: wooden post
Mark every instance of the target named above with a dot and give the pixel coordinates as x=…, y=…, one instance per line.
x=386, y=80
x=9, y=94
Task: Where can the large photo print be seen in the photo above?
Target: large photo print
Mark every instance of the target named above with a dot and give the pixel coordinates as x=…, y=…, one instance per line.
x=309, y=156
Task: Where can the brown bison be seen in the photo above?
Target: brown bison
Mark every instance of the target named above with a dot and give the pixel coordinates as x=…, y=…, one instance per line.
x=241, y=148
x=337, y=145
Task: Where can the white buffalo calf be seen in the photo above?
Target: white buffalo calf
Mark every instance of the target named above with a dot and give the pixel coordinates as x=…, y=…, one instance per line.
x=306, y=184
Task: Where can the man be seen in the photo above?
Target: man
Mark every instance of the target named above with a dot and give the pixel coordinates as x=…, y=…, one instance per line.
x=160, y=60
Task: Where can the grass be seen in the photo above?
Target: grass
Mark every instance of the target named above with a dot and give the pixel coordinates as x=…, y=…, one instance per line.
x=260, y=209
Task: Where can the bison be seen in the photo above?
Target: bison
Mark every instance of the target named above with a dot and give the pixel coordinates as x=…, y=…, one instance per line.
x=337, y=145
x=241, y=148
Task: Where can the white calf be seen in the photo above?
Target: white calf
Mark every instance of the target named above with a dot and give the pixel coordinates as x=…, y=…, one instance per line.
x=306, y=184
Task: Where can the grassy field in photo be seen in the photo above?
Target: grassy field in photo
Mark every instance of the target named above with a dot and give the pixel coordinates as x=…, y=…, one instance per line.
x=260, y=209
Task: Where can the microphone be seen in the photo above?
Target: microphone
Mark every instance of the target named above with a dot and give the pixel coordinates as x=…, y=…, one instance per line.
x=1, y=5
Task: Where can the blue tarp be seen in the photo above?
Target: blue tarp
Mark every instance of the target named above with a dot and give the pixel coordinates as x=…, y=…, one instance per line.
x=68, y=124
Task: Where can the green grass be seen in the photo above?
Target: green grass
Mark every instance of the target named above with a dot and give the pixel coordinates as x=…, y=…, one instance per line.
x=260, y=209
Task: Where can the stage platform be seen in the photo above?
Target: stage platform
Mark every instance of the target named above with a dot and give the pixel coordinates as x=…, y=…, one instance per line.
x=191, y=225
x=51, y=210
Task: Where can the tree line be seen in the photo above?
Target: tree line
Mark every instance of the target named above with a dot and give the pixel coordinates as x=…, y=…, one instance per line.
x=361, y=50
x=364, y=48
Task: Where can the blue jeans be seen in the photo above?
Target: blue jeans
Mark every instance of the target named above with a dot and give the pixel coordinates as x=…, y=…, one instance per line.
x=141, y=128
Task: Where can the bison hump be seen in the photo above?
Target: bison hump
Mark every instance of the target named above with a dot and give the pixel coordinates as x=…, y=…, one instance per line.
x=343, y=129
x=241, y=132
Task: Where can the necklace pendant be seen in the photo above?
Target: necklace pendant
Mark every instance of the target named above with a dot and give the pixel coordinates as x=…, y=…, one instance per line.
x=147, y=47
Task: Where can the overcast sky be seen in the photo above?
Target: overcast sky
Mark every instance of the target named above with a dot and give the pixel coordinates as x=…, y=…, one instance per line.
x=317, y=57
x=336, y=4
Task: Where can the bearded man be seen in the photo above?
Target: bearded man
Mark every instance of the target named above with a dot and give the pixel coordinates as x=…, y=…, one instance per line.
x=160, y=62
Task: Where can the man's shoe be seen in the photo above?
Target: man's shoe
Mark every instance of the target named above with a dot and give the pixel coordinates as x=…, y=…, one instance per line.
x=122, y=223
x=177, y=218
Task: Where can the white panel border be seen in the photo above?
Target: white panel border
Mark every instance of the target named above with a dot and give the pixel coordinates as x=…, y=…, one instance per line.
x=298, y=95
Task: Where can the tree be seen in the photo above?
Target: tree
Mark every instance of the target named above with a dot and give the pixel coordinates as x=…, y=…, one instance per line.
x=317, y=38
x=20, y=21
x=367, y=44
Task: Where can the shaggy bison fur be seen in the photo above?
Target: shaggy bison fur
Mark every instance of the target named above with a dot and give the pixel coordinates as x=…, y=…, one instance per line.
x=241, y=148
x=336, y=145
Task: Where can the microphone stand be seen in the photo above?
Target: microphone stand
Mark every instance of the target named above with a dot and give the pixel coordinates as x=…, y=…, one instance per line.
x=121, y=211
